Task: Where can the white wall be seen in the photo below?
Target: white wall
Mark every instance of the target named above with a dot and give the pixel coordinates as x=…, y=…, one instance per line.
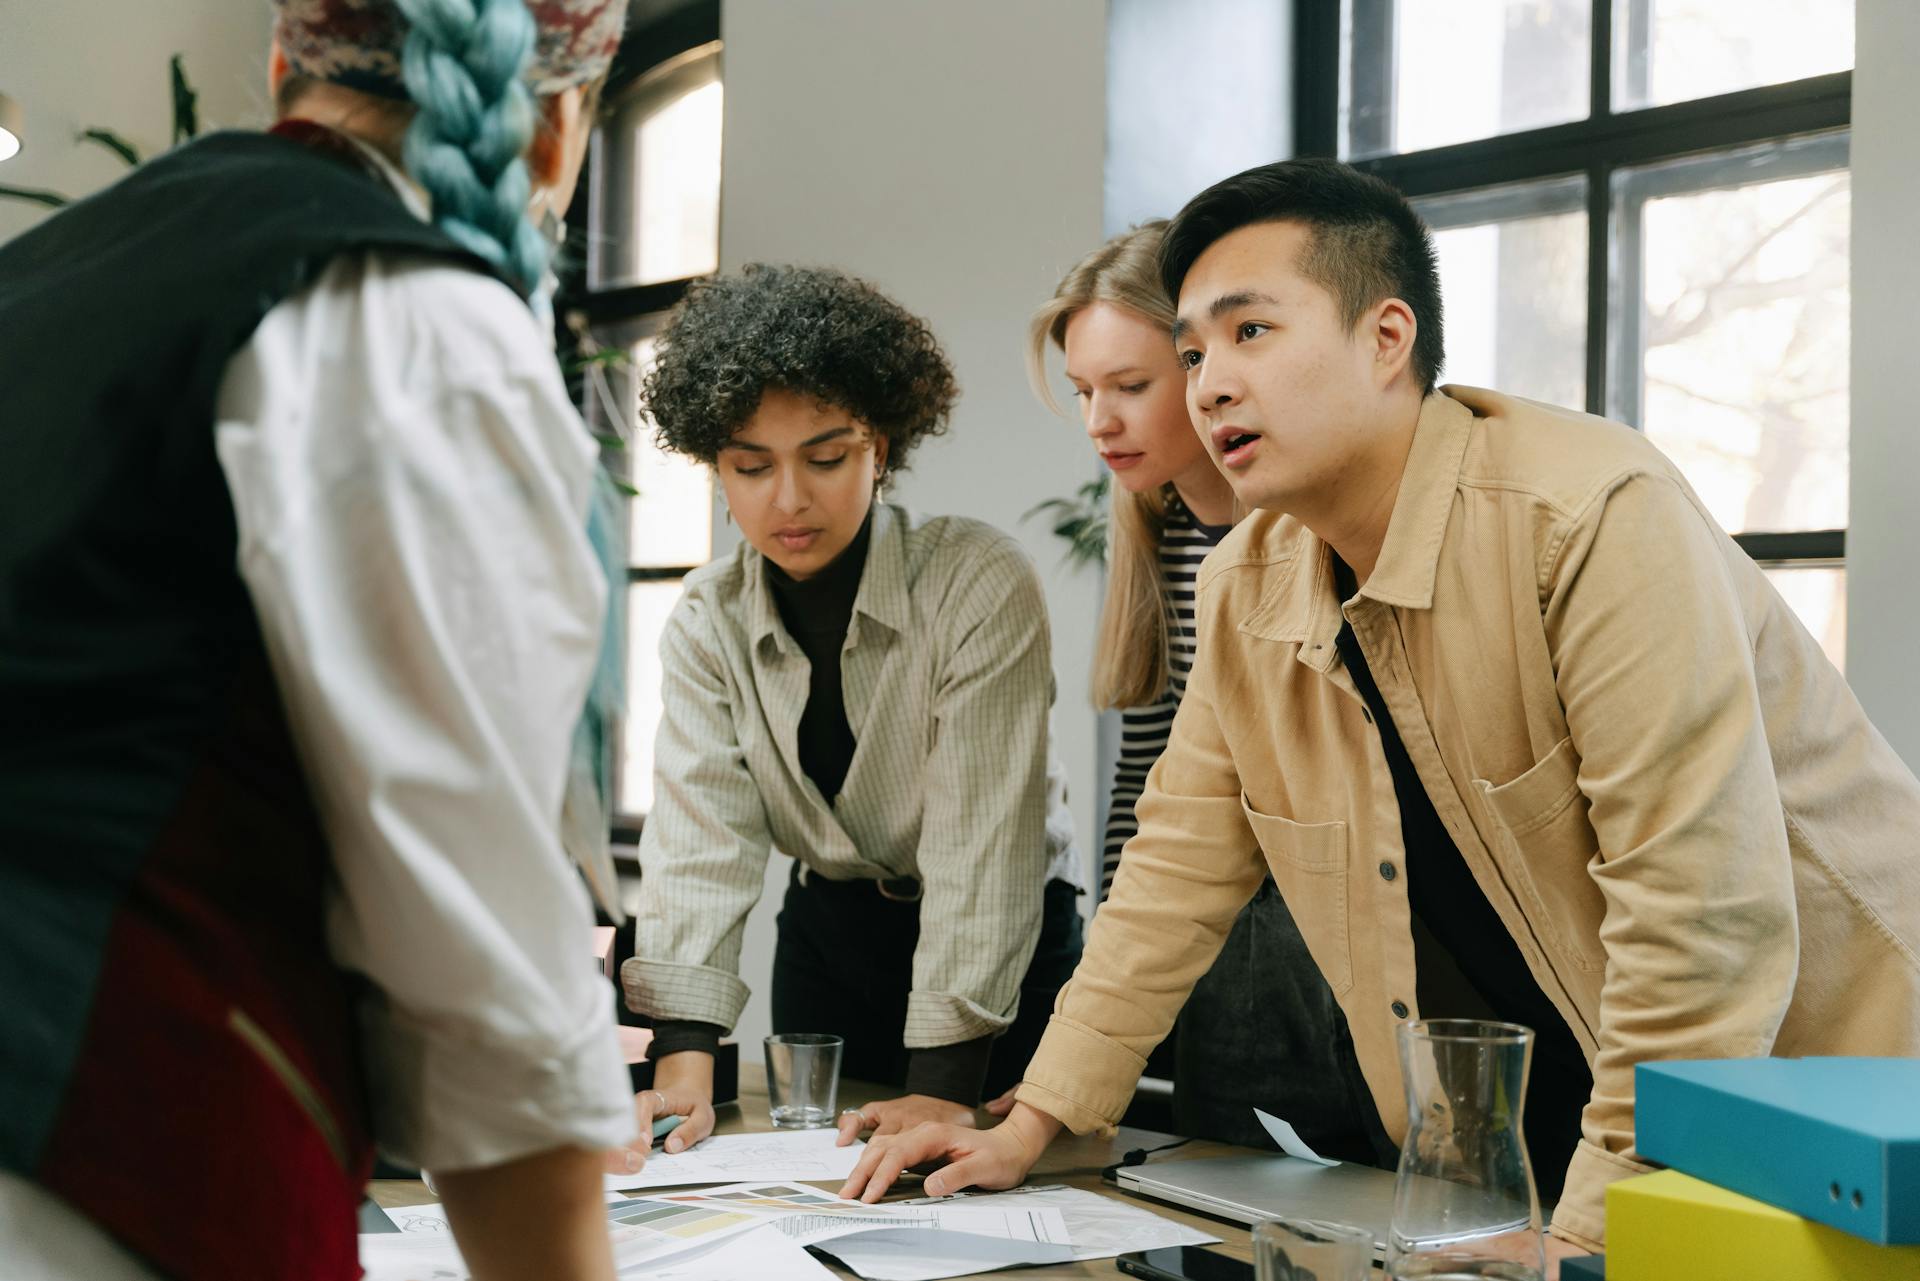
x=951, y=154
x=77, y=64
x=1883, y=606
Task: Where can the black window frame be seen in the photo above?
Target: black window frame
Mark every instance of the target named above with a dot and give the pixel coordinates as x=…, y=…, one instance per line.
x=580, y=309
x=1597, y=147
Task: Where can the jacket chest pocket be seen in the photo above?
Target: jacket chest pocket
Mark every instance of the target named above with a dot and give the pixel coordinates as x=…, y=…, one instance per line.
x=1546, y=845
x=1309, y=864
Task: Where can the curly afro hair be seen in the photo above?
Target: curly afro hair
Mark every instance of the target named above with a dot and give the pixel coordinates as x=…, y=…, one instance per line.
x=807, y=330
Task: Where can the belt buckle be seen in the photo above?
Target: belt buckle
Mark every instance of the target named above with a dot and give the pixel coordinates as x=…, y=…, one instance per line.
x=887, y=889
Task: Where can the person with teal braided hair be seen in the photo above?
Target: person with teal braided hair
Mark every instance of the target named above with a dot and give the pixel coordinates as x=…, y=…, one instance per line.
x=307, y=654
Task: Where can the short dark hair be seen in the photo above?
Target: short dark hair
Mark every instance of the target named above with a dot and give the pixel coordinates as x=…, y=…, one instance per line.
x=1366, y=241
x=808, y=330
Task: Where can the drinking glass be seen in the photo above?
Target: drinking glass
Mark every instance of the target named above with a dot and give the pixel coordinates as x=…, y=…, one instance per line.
x=1308, y=1250
x=1464, y=1204
x=803, y=1076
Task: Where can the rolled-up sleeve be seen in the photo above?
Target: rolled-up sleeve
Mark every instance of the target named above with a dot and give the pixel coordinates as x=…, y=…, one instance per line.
x=983, y=850
x=410, y=484
x=1655, y=670
x=703, y=852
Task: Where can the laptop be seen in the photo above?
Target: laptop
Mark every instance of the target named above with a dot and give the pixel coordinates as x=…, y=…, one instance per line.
x=1247, y=1189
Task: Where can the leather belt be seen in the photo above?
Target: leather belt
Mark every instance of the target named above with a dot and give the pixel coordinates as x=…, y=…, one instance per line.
x=895, y=889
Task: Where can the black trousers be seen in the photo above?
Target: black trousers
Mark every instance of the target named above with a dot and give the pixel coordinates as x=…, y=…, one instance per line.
x=1262, y=1030
x=843, y=964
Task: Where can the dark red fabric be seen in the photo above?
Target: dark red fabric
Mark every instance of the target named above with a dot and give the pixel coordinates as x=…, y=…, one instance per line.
x=177, y=1134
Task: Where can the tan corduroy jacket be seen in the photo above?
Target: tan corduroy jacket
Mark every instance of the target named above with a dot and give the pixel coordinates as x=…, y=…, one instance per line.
x=1667, y=792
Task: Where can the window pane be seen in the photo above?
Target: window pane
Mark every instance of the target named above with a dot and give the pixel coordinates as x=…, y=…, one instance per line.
x=678, y=188
x=1513, y=288
x=670, y=519
x=648, y=605
x=672, y=516
x=1818, y=594
x=1673, y=50
x=1734, y=331
x=1425, y=73
x=655, y=207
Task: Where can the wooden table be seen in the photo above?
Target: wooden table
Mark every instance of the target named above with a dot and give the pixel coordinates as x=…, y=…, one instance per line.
x=1070, y=1160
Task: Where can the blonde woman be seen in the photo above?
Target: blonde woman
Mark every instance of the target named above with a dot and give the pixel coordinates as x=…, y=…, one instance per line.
x=1262, y=1028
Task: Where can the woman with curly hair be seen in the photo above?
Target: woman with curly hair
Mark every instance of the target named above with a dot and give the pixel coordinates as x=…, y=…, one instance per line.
x=866, y=690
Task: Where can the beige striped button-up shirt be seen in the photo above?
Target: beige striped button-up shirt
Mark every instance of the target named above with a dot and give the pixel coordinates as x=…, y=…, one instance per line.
x=948, y=677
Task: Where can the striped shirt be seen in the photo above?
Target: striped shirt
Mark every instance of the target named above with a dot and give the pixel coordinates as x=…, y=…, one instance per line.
x=1184, y=543
x=947, y=672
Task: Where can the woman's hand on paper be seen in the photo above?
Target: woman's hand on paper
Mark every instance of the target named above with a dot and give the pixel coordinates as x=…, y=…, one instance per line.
x=891, y=1116
x=683, y=1086
x=996, y=1158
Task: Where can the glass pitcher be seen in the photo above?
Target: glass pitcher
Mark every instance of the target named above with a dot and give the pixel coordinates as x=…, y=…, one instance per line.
x=1464, y=1204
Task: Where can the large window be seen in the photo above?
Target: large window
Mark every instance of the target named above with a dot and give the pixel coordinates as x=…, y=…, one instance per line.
x=651, y=227
x=1640, y=207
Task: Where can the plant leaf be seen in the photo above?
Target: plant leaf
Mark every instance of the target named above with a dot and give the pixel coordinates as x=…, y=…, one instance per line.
x=605, y=356
x=112, y=142
x=186, y=111
x=51, y=199
x=1081, y=521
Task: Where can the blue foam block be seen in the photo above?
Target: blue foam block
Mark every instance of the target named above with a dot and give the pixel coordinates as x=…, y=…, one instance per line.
x=1833, y=1140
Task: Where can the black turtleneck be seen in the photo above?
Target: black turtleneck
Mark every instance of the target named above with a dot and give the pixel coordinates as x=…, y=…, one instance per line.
x=816, y=612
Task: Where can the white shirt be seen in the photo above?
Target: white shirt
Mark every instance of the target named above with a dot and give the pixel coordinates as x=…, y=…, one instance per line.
x=410, y=483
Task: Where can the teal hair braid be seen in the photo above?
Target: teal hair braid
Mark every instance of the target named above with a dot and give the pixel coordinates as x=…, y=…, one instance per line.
x=462, y=63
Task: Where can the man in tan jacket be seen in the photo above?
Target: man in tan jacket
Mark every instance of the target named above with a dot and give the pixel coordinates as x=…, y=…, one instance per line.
x=1514, y=725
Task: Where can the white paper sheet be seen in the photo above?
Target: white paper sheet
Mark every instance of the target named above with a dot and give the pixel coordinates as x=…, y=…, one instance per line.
x=1289, y=1139
x=954, y=1241
x=801, y=1156
x=758, y=1255
x=948, y=1239
x=755, y=1255
x=644, y=1231
x=1099, y=1227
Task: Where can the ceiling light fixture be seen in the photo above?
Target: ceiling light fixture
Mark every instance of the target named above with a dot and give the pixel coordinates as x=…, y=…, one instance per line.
x=10, y=129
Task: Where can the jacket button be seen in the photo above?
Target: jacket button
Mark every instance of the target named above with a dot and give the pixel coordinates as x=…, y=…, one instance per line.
x=1388, y=871
x=1399, y=1009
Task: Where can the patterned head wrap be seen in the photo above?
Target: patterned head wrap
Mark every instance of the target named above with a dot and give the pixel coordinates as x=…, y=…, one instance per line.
x=357, y=43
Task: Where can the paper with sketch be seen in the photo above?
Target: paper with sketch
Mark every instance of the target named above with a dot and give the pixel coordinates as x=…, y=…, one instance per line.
x=799, y=1156
x=1289, y=1139
x=1099, y=1227
x=643, y=1232
x=949, y=1240
x=754, y=1256
x=960, y=1242
x=751, y=1256
x=675, y=1234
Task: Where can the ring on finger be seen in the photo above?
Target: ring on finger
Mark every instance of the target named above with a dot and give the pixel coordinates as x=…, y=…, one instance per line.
x=663, y=1100
x=856, y=1112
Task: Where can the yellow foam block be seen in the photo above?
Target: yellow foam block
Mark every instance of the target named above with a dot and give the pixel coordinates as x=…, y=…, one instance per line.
x=1670, y=1227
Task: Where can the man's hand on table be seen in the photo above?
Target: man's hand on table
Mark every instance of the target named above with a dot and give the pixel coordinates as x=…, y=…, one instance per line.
x=1558, y=1250
x=996, y=1158
x=683, y=1086
x=891, y=1116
